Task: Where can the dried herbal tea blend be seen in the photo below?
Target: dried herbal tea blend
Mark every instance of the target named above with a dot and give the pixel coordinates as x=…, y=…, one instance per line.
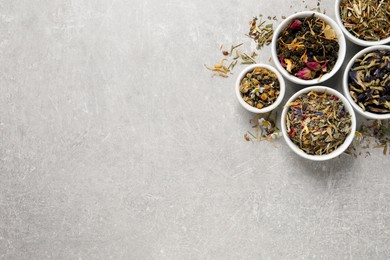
x=260, y=88
x=369, y=82
x=307, y=48
x=223, y=70
x=372, y=134
x=264, y=128
x=366, y=19
x=260, y=32
x=318, y=123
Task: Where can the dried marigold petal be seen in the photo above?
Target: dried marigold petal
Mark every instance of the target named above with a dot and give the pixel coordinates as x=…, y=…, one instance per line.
x=289, y=65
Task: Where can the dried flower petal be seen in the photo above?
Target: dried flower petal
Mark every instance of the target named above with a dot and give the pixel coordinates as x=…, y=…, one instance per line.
x=281, y=60
x=296, y=25
x=305, y=74
x=329, y=33
x=290, y=65
x=324, y=66
x=304, y=57
x=313, y=65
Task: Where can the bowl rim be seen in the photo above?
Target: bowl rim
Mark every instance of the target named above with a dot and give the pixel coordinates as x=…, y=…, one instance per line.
x=350, y=36
x=278, y=99
x=365, y=114
x=341, y=148
x=341, y=53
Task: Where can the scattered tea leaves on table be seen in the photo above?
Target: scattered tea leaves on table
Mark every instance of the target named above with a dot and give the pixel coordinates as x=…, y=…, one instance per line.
x=227, y=64
x=369, y=82
x=311, y=56
x=247, y=59
x=372, y=134
x=219, y=69
x=234, y=47
x=263, y=128
x=260, y=31
x=318, y=123
x=307, y=48
x=367, y=20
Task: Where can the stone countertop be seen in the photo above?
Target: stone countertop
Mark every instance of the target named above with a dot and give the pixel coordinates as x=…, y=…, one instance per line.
x=116, y=142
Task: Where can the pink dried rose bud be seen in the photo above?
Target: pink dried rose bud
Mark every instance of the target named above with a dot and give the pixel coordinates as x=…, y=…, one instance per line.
x=313, y=65
x=296, y=25
x=281, y=60
x=304, y=74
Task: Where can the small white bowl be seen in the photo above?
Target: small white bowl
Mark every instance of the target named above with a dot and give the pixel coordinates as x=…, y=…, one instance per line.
x=350, y=36
x=342, y=147
x=365, y=114
x=341, y=53
x=264, y=109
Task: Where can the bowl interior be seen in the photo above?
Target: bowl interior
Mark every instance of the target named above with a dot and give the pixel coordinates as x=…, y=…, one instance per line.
x=275, y=103
x=365, y=114
x=352, y=37
x=341, y=52
x=342, y=147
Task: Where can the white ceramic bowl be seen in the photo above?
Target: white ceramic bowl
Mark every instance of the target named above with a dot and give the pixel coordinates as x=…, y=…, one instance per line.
x=264, y=109
x=365, y=114
x=350, y=36
x=342, y=147
x=341, y=53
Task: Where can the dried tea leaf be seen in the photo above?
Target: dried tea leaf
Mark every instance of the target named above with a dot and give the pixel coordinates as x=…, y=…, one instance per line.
x=318, y=122
x=369, y=82
x=367, y=20
x=308, y=41
x=260, y=32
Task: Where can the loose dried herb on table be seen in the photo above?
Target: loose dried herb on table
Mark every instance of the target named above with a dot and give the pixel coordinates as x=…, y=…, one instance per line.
x=371, y=134
x=223, y=70
x=307, y=48
x=260, y=88
x=369, y=82
x=366, y=19
x=318, y=123
x=261, y=32
x=264, y=128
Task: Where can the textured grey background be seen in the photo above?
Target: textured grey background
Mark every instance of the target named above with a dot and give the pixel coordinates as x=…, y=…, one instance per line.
x=117, y=143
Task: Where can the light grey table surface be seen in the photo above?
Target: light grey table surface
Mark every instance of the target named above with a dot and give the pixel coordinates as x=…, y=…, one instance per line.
x=116, y=143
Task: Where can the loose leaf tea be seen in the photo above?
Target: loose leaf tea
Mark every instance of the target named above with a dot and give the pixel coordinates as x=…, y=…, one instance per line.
x=261, y=32
x=260, y=88
x=378, y=132
x=223, y=70
x=371, y=134
x=264, y=128
x=307, y=48
x=318, y=123
x=369, y=82
x=366, y=19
